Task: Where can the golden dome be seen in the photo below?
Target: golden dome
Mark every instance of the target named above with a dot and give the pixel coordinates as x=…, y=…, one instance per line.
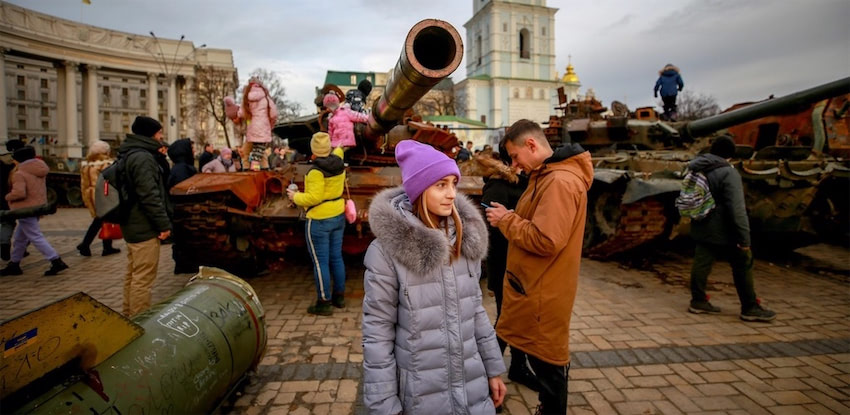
x=570, y=77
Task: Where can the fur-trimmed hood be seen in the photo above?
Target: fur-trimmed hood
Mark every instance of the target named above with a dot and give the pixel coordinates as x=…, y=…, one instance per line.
x=420, y=249
x=669, y=70
x=494, y=169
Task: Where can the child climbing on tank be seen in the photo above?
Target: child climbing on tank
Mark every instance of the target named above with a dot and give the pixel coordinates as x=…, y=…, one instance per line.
x=259, y=112
x=341, y=122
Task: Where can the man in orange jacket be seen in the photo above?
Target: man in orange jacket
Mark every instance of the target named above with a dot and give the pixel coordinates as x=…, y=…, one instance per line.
x=544, y=253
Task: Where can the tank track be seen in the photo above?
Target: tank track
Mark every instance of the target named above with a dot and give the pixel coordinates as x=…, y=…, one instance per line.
x=639, y=223
x=201, y=232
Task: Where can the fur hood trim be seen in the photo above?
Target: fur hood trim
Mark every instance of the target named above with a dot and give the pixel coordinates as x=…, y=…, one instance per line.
x=495, y=169
x=669, y=67
x=97, y=163
x=420, y=249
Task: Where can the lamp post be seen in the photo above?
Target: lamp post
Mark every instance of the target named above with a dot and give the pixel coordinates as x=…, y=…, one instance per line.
x=169, y=65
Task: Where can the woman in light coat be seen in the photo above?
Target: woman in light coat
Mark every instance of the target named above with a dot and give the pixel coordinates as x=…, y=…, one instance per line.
x=428, y=345
x=97, y=159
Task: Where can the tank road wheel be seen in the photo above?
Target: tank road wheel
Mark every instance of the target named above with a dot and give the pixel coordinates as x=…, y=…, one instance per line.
x=74, y=196
x=606, y=214
x=52, y=196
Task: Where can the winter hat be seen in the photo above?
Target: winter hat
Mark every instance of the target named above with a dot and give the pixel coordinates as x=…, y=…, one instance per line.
x=320, y=144
x=146, y=126
x=23, y=154
x=421, y=166
x=330, y=99
x=226, y=151
x=98, y=147
x=14, y=144
x=723, y=146
x=365, y=87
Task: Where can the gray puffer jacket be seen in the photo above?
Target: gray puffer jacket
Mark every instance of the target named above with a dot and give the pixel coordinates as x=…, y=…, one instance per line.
x=428, y=345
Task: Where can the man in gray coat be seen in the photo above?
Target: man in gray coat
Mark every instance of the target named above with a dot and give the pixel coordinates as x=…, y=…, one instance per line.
x=725, y=232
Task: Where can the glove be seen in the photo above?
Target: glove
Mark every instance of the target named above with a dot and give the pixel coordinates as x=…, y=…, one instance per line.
x=230, y=108
x=656, y=95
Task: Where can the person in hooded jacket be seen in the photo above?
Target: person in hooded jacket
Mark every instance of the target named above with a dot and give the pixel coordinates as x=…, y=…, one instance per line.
x=502, y=184
x=725, y=232
x=670, y=83
x=7, y=226
x=221, y=164
x=146, y=215
x=180, y=153
x=29, y=188
x=545, y=236
x=428, y=345
x=96, y=160
x=322, y=198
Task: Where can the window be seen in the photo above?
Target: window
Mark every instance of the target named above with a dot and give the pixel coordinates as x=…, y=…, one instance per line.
x=516, y=92
x=542, y=94
x=524, y=44
x=21, y=80
x=504, y=27
x=107, y=116
x=143, y=93
x=45, y=125
x=124, y=92
x=124, y=80
x=22, y=124
x=44, y=69
x=105, y=90
x=22, y=110
x=529, y=92
x=22, y=94
x=478, y=50
x=484, y=119
x=44, y=97
x=159, y=94
x=44, y=83
x=105, y=78
x=543, y=30
x=45, y=112
x=353, y=79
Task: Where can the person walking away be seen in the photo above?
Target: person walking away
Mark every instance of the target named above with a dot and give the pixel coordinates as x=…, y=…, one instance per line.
x=544, y=254
x=7, y=227
x=97, y=160
x=180, y=153
x=221, y=164
x=29, y=188
x=322, y=198
x=428, y=345
x=206, y=156
x=146, y=218
x=670, y=83
x=503, y=185
x=341, y=122
x=725, y=233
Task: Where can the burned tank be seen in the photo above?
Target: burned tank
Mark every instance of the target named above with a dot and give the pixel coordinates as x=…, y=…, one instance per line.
x=243, y=221
x=63, y=182
x=792, y=155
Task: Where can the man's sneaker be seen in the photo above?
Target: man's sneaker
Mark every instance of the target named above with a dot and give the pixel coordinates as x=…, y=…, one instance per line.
x=703, y=307
x=13, y=268
x=56, y=266
x=321, y=308
x=757, y=313
x=338, y=300
x=522, y=375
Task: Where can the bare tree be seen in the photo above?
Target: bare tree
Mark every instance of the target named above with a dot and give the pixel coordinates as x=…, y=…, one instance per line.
x=211, y=86
x=272, y=81
x=693, y=106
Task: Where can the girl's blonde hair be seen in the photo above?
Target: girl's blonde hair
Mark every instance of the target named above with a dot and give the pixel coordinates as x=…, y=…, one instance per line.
x=432, y=221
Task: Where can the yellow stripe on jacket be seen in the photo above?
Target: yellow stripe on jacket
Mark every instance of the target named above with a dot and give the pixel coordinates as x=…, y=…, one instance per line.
x=318, y=189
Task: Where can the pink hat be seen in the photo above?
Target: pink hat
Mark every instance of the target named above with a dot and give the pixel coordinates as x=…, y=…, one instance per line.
x=422, y=166
x=330, y=99
x=226, y=151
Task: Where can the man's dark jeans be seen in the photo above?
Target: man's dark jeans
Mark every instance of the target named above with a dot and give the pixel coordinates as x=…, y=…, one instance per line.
x=553, y=385
x=742, y=271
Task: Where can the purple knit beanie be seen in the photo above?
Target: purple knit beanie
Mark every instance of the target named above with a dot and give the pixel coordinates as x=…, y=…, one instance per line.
x=421, y=166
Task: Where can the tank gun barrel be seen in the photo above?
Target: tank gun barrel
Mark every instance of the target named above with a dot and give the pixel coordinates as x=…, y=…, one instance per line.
x=806, y=97
x=432, y=51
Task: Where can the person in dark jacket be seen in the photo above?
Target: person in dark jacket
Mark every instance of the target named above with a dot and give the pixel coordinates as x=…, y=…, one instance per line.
x=356, y=98
x=725, y=232
x=670, y=83
x=7, y=227
x=180, y=153
x=206, y=156
x=147, y=217
x=503, y=185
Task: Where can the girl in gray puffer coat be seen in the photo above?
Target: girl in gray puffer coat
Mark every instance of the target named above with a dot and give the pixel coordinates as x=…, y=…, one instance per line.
x=428, y=345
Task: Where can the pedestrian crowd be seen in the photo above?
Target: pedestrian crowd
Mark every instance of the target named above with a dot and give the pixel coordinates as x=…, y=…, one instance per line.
x=428, y=343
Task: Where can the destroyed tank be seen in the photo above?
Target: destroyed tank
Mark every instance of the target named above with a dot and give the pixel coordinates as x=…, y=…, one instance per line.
x=243, y=221
x=791, y=153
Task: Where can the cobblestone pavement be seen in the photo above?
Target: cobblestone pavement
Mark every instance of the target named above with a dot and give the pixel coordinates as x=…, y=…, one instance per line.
x=635, y=349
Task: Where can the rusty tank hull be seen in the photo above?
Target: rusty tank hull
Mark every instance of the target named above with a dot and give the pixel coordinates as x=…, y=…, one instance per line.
x=243, y=221
x=791, y=156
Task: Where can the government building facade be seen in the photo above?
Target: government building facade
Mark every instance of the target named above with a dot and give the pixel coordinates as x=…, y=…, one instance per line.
x=66, y=84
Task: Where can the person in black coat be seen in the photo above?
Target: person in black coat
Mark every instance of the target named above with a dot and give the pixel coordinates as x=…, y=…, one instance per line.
x=503, y=185
x=180, y=153
x=206, y=156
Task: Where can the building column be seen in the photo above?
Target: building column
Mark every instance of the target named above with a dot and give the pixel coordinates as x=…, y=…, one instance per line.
x=171, y=126
x=91, y=119
x=4, y=127
x=191, y=107
x=153, y=98
x=70, y=143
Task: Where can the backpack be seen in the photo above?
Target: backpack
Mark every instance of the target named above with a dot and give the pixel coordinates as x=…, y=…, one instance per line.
x=695, y=200
x=109, y=192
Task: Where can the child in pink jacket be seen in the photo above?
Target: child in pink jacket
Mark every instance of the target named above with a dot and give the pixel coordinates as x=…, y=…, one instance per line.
x=341, y=122
x=259, y=111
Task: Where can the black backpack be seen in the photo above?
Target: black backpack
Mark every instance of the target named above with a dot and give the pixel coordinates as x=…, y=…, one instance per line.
x=110, y=193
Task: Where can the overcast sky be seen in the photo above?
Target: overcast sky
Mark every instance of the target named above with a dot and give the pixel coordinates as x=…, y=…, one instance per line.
x=733, y=50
